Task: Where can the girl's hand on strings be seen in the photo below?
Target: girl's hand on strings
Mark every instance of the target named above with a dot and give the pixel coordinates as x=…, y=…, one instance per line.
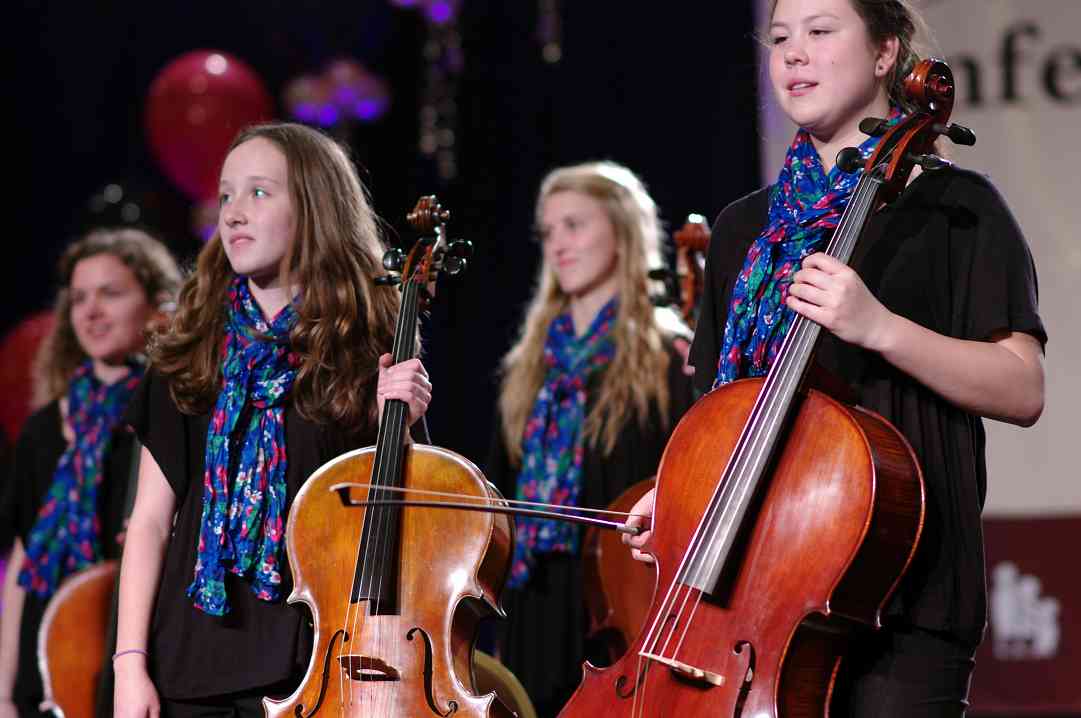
x=641, y=515
x=407, y=381
x=830, y=293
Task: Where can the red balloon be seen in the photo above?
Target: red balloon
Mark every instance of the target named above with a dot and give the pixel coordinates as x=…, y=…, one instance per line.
x=19, y=347
x=195, y=107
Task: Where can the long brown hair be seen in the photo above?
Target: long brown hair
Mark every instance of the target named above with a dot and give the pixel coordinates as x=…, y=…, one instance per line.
x=344, y=321
x=154, y=269
x=884, y=19
x=636, y=379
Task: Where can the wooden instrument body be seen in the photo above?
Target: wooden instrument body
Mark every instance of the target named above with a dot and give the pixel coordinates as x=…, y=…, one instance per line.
x=834, y=528
x=618, y=589
x=72, y=637
x=452, y=566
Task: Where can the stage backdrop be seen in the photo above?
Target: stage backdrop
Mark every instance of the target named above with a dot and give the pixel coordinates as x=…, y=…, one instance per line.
x=1018, y=68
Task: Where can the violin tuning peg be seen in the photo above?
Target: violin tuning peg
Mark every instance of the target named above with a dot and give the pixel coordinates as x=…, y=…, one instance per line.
x=873, y=126
x=388, y=280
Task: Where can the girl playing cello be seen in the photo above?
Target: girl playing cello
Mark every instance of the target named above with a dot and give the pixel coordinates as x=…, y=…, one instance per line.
x=590, y=393
x=274, y=364
x=72, y=460
x=934, y=325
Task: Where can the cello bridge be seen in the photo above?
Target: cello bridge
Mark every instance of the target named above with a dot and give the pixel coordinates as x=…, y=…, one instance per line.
x=688, y=671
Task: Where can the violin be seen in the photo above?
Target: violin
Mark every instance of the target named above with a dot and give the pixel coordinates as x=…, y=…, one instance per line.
x=784, y=519
x=618, y=589
x=396, y=590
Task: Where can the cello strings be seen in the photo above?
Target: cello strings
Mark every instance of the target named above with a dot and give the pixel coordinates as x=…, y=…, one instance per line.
x=766, y=411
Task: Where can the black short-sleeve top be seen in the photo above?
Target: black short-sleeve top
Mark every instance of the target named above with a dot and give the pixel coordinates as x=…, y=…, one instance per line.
x=948, y=255
x=38, y=450
x=258, y=643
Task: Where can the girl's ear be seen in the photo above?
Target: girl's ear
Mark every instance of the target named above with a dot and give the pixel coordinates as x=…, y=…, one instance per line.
x=886, y=57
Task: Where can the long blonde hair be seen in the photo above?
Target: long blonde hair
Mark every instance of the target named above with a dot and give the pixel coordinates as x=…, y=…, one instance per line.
x=636, y=380
x=154, y=269
x=344, y=321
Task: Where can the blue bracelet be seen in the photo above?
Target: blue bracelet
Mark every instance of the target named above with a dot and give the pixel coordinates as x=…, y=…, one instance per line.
x=130, y=650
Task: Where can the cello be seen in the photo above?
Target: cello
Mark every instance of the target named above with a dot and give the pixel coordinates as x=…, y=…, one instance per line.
x=618, y=589
x=396, y=592
x=784, y=519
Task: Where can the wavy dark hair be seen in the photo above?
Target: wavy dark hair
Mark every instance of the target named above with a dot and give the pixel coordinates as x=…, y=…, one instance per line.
x=344, y=321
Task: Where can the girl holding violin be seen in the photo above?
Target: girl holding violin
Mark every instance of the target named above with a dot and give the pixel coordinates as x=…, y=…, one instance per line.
x=589, y=394
x=73, y=457
x=275, y=363
x=933, y=325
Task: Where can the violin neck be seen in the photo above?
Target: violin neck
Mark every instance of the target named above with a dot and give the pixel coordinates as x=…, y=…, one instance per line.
x=375, y=578
x=709, y=551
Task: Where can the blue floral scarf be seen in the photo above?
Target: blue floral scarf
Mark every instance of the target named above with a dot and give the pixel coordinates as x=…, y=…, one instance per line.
x=805, y=206
x=66, y=535
x=244, y=489
x=552, y=444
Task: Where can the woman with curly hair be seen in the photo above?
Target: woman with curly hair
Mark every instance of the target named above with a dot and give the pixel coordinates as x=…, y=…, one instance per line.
x=73, y=457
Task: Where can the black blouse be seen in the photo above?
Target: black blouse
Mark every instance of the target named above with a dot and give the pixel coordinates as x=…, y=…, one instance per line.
x=543, y=639
x=948, y=255
x=258, y=643
x=37, y=452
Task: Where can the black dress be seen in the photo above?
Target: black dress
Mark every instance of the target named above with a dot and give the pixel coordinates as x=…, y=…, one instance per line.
x=37, y=452
x=543, y=639
x=949, y=256
x=257, y=644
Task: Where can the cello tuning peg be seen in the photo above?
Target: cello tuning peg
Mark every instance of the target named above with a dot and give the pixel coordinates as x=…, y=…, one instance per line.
x=849, y=159
x=873, y=126
x=461, y=248
x=455, y=265
x=930, y=162
x=393, y=260
x=388, y=280
x=958, y=134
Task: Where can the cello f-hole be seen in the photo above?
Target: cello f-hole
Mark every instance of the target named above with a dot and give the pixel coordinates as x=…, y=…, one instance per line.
x=429, y=690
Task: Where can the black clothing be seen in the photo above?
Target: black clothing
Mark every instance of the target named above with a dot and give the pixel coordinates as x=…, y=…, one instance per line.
x=543, y=639
x=36, y=454
x=949, y=256
x=905, y=673
x=244, y=704
x=194, y=655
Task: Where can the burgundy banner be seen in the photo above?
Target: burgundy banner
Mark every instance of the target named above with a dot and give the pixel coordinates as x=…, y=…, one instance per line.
x=1030, y=659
